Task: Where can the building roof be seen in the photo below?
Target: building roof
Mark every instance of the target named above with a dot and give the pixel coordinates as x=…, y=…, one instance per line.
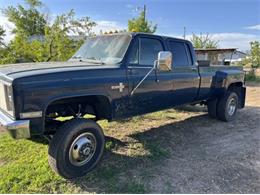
x=220, y=50
x=216, y=49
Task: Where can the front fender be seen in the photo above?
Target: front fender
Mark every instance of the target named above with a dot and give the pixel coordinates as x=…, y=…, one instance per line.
x=38, y=124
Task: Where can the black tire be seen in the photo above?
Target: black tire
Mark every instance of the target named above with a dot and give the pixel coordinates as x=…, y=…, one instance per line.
x=63, y=145
x=212, y=107
x=223, y=112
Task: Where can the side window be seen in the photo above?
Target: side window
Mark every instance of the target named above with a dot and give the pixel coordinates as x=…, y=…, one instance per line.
x=189, y=54
x=145, y=51
x=134, y=53
x=149, y=49
x=179, y=52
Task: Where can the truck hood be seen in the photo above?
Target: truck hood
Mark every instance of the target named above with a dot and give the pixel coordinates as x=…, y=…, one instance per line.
x=12, y=71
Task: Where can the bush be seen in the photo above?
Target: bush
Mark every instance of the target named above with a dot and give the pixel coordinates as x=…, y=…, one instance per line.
x=252, y=77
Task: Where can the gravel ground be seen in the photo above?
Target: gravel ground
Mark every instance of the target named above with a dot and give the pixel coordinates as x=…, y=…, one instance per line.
x=213, y=156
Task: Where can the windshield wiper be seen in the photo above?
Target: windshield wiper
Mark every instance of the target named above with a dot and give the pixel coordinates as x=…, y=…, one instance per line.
x=95, y=60
x=76, y=57
x=90, y=59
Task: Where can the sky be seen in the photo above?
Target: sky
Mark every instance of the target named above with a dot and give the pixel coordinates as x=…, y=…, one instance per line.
x=234, y=23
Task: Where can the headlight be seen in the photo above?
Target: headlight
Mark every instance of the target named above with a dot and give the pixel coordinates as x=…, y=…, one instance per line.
x=6, y=98
x=9, y=98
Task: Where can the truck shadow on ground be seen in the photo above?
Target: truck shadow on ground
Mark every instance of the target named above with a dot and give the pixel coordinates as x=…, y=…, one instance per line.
x=134, y=165
x=117, y=170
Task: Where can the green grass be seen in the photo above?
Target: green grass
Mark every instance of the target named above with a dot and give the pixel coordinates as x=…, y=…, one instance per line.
x=25, y=169
x=134, y=188
x=133, y=148
x=252, y=78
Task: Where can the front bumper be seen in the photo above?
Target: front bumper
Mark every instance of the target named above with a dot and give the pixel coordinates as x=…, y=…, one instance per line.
x=18, y=129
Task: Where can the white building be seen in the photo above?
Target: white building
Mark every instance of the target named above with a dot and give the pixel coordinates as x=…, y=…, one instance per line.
x=225, y=56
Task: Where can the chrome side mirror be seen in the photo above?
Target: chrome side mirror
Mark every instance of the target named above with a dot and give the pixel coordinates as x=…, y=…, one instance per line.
x=164, y=62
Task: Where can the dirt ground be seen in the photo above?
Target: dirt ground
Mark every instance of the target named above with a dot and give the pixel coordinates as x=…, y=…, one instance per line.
x=189, y=152
x=214, y=156
x=177, y=151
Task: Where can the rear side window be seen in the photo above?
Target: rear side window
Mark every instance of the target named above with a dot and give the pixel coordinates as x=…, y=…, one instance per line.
x=179, y=52
x=145, y=51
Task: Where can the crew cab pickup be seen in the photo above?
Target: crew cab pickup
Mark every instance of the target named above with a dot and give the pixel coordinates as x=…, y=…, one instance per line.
x=110, y=77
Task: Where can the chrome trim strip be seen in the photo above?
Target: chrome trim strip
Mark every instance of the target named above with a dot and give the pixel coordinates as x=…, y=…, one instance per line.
x=140, y=67
x=31, y=115
x=18, y=129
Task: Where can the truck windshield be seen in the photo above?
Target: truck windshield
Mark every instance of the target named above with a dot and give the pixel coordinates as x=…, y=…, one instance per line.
x=107, y=49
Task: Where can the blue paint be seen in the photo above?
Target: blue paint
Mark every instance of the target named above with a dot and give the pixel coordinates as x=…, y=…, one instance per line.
x=37, y=86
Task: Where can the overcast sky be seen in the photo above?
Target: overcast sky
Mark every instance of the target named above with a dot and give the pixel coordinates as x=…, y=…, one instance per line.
x=234, y=23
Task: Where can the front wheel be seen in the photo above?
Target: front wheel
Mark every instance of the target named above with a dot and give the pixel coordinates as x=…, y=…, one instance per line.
x=76, y=148
x=227, y=106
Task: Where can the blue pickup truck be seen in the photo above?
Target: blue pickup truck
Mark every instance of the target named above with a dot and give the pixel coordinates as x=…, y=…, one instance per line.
x=110, y=77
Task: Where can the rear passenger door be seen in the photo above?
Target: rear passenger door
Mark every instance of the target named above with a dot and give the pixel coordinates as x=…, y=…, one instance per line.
x=185, y=72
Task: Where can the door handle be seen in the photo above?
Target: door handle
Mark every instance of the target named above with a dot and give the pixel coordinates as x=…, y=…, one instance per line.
x=194, y=68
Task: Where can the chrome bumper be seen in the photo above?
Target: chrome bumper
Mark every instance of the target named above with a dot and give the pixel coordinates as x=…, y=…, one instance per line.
x=18, y=129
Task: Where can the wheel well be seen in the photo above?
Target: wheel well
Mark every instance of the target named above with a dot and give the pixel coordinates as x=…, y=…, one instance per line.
x=235, y=85
x=97, y=105
x=238, y=88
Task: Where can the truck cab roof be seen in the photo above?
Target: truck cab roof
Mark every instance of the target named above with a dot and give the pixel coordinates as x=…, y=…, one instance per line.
x=133, y=34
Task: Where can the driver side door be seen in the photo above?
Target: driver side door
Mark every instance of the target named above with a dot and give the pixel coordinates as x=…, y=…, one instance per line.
x=156, y=91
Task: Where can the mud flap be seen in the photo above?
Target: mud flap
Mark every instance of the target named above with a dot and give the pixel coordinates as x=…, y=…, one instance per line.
x=242, y=97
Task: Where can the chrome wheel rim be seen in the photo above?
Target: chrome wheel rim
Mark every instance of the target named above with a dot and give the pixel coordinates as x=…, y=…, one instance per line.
x=82, y=149
x=232, y=104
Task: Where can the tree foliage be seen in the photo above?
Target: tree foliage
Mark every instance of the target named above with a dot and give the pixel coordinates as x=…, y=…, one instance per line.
x=37, y=39
x=83, y=26
x=2, y=35
x=255, y=54
x=140, y=24
x=203, y=41
x=28, y=19
x=253, y=60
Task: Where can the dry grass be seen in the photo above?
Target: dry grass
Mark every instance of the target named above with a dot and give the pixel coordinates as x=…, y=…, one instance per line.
x=26, y=170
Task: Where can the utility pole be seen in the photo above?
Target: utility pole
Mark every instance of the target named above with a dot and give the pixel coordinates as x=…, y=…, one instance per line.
x=144, y=12
x=184, y=32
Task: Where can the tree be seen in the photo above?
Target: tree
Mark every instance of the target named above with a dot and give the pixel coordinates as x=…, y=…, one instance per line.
x=140, y=24
x=44, y=40
x=6, y=55
x=57, y=42
x=253, y=59
x=28, y=21
x=55, y=45
x=255, y=54
x=2, y=34
x=83, y=26
x=203, y=41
